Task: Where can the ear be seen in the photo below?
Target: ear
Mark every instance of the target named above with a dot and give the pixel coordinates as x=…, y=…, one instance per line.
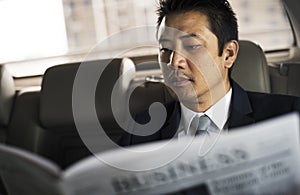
x=230, y=53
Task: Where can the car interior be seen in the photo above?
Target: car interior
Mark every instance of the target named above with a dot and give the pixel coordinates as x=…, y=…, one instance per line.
x=36, y=111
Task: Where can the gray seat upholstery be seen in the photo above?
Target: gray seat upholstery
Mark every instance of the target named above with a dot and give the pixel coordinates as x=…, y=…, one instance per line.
x=250, y=69
x=293, y=80
x=25, y=173
x=24, y=126
x=7, y=94
x=285, y=78
x=43, y=121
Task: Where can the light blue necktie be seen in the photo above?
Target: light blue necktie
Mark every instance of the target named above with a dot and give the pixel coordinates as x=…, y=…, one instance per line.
x=203, y=125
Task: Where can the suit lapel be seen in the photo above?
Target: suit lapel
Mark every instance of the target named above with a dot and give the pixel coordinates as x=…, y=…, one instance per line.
x=241, y=110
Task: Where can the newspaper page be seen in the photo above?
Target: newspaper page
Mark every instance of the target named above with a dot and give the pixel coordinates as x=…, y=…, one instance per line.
x=258, y=159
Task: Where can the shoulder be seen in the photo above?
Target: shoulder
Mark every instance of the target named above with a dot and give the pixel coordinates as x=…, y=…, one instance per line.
x=261, y=106
x=273, y=98
x=273, y=104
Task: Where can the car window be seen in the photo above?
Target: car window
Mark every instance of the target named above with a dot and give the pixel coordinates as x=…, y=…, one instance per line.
x=264, y=22
x=35, y=29
x=31, y=29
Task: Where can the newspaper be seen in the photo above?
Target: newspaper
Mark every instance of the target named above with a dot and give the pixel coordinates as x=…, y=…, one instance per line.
x=259, y=159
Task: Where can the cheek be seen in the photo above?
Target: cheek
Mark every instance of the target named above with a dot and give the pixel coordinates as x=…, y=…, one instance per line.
x=163, y=65
x=167, y=74
x=207, y=74
x=206, y=65
x=165, y=70
x=200, y=66
x=202, y=60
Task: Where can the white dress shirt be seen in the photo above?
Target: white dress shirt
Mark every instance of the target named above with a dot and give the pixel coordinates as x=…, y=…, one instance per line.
x=218, y=115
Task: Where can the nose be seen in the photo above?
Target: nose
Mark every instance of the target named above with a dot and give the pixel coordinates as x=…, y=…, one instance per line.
x=177, y=60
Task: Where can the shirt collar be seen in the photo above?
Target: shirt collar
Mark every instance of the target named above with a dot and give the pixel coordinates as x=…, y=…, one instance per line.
x=218, y=113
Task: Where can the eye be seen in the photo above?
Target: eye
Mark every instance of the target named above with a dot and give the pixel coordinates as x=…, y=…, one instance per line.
x=165, y=50
x=192, y=47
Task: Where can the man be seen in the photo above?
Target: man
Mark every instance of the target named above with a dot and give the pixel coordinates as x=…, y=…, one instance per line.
x=198, y=42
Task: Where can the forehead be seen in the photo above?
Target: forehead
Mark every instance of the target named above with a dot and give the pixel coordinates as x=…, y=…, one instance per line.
x=180, y=24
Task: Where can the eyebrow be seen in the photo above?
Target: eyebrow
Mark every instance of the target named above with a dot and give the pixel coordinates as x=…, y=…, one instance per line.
x=164, y=40
x=187, y=36
x=192, y=35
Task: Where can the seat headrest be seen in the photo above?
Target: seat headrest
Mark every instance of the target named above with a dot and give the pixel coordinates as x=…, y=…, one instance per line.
x=57, y=88
x=7, y=93
x=250, y=69
x=22, y=169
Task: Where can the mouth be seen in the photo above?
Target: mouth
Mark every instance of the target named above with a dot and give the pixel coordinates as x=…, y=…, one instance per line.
x=180, y=81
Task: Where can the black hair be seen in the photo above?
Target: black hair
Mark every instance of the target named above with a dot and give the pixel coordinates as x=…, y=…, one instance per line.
x=222, y=20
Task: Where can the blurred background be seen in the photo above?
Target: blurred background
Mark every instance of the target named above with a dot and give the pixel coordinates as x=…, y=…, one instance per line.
x=52, y=29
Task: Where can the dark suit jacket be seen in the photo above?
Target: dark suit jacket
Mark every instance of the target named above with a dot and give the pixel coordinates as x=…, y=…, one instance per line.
x=245, y=108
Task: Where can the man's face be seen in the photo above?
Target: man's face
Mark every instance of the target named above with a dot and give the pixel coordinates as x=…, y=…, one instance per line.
x=189, y=59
